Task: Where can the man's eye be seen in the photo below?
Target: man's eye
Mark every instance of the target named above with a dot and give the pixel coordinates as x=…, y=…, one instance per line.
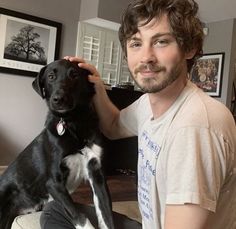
x=134, y=44
x=161, y=43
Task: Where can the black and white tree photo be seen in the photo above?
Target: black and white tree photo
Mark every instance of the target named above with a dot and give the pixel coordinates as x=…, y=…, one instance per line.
x=25, y=43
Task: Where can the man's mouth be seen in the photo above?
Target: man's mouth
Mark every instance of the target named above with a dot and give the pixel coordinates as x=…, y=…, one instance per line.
x=148, y=69
x=147, y=72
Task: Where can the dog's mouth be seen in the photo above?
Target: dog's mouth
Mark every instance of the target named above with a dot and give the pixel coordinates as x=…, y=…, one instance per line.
x=61, y=110
x=61, y=103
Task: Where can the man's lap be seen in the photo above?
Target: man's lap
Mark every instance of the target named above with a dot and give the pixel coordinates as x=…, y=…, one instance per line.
x=52, y=216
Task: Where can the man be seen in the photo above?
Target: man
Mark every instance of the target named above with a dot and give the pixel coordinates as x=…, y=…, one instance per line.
x=187, y=140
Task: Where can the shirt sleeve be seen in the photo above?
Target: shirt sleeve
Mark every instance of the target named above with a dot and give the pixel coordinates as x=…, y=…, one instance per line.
x=132, y=116
x=128, y=118
x=196, y=167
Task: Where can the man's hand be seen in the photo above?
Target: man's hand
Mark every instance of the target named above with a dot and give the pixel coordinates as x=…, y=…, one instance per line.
x=94, y=77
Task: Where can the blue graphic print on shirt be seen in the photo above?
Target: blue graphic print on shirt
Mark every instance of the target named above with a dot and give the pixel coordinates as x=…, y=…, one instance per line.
x=148, y=154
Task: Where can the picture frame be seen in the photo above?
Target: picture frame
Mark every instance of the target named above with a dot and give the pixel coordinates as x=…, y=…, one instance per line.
x=207, y=73
x=27, y=43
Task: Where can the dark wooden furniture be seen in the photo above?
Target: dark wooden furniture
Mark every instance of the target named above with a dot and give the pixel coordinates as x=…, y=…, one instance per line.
x=120, y=158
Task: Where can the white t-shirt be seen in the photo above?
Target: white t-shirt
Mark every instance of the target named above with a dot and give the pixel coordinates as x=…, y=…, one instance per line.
x=185, y=156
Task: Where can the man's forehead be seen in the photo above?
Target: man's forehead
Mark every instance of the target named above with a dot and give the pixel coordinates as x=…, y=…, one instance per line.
x=153, y=28
x=149, y=22
x=156, y=24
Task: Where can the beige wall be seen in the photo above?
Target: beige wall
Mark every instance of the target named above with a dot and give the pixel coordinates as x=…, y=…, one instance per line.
x=106, y=9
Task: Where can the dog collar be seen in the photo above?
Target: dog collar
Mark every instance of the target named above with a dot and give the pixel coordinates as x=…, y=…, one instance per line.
x=61, y=127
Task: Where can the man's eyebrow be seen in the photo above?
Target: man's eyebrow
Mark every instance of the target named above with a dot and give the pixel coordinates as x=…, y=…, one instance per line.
x=162, y=34
x=155, y=36
x=133, y=38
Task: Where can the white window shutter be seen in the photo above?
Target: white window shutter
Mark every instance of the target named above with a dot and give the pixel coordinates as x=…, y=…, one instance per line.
x=100, y=47
x=125, y=76
x=89, y=44
x=111, y=58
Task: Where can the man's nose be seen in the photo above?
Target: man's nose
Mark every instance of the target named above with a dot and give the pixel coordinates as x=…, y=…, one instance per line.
x=148, y=55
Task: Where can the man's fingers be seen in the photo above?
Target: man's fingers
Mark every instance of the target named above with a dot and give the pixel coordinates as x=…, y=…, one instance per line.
x=81, y=62
x=74, y=59
x=89, y=67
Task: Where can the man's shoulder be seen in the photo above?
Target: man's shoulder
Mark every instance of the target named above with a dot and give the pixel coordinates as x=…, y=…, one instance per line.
x=203, y=111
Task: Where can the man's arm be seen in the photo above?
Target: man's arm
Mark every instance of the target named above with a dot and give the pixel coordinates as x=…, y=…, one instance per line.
x=109, y=114
x=186, y=216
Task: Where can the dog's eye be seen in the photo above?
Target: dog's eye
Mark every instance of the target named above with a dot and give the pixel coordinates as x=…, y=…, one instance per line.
x=51, y=76
x=73, y=74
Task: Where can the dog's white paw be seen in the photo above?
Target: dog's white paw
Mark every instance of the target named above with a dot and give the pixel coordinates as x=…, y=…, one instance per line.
x=87, y=225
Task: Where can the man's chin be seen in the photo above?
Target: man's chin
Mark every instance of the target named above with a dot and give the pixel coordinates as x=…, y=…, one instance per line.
x=148, y=86
x=151, y=85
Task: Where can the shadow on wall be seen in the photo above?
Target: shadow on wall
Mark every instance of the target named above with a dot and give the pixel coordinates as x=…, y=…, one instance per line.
x=8, y=150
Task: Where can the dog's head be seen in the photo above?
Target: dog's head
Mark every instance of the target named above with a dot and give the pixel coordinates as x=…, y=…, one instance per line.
x=64, y=85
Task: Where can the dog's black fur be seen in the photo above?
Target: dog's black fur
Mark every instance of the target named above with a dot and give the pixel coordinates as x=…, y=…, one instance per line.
x=51, y=164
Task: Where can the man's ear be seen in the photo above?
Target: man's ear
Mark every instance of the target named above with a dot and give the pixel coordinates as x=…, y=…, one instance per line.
x=38, y=83
x=190, y=54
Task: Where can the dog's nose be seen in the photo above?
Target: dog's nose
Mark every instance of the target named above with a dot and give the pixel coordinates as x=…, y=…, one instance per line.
x=57, y=99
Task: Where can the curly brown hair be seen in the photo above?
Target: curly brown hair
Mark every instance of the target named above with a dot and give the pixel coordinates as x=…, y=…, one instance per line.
x=182, y=15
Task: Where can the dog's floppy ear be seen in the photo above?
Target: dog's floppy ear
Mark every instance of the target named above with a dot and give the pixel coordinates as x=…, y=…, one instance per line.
x=38, y=84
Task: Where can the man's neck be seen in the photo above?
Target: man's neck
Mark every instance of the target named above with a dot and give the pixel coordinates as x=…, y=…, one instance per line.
x=161, y=101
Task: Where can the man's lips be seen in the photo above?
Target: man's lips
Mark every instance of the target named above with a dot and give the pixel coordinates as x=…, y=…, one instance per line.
x=148, y=73
x=148, y=69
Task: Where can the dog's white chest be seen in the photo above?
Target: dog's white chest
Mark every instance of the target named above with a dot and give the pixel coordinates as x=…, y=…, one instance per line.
x=77, y=165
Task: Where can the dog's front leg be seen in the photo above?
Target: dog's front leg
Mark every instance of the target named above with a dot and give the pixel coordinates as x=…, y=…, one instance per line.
x=98, y=184
x=60, y=194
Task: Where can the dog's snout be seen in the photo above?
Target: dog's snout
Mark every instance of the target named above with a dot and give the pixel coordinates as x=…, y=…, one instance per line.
x=61, y=101
x=57, y=98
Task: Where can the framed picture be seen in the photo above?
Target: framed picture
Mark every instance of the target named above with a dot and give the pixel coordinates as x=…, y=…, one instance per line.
x=27, y=43
x=207, y=73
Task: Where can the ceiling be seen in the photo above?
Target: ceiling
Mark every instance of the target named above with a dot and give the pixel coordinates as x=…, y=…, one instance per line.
x=216, y=10
x=209, y=11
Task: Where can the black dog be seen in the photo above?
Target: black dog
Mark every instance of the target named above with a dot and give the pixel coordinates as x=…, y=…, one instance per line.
x=66, y=151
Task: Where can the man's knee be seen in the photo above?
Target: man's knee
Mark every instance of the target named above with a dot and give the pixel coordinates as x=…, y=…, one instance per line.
x=55, y=216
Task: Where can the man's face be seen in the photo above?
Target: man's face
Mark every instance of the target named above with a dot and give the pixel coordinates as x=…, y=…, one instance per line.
x=154, y=57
